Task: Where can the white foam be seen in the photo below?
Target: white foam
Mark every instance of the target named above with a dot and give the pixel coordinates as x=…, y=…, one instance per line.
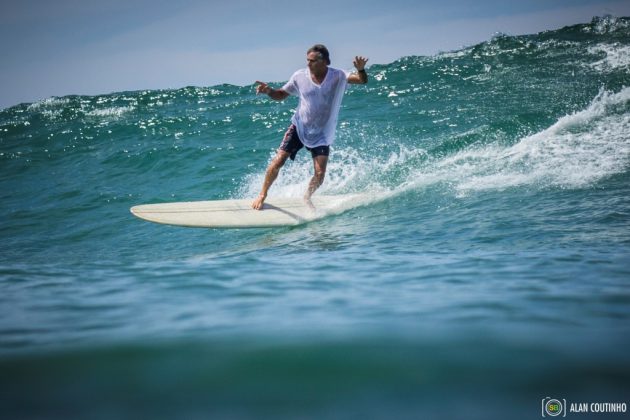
x=348, y=171
x=617, y=57
x=110, y=112
x=577, y=151
x=50, y=108
x=51, y=102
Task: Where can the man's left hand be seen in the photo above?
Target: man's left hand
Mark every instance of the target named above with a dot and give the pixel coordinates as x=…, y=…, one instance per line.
x=360, y=62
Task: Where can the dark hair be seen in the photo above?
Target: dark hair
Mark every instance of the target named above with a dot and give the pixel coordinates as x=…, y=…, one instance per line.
x=322, y=50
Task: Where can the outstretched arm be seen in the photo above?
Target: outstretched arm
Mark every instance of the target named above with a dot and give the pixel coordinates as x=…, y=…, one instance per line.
x=276, y=94
x=361, y=76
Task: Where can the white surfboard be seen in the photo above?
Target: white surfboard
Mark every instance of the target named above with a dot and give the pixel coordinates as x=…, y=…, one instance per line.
x=239, y=214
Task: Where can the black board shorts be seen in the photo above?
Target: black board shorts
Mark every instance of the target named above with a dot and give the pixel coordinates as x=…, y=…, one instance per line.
x=291, y=144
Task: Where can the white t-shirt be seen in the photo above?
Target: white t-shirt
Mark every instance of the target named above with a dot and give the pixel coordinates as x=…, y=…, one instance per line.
x=317, y=112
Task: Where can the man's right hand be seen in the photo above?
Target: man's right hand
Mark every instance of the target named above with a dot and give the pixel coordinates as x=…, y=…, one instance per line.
x=275, y=94
x=262, y=88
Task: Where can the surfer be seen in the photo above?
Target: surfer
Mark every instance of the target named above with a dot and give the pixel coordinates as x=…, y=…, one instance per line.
x=320, y=89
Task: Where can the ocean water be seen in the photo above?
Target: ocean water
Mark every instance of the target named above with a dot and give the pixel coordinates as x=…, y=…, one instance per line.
x=490, y=270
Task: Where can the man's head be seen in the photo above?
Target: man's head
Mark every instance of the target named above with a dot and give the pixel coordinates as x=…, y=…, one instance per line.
x=321, y=51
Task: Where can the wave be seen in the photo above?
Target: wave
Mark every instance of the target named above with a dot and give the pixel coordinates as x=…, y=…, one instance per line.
x=577, y=151
x=512, y=111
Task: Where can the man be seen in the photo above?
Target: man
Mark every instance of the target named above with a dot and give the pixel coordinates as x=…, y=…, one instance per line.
x=320, y=89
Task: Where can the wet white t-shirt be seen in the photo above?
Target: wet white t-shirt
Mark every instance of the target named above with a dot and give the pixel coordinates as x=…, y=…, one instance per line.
x=317, y=112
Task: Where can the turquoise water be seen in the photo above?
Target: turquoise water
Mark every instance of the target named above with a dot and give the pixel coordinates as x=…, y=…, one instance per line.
x=491, y=269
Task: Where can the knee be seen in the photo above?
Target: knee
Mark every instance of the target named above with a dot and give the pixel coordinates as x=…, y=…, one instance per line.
x=277, y=163
x=320, y=175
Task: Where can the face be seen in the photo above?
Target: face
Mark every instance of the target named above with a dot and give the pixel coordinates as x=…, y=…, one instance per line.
x=315, y=62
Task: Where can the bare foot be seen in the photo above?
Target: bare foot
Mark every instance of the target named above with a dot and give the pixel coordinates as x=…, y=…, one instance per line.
x=259, y=202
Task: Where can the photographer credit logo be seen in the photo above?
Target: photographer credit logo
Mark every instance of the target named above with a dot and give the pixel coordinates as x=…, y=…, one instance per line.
x=553, y=407
x=558, y=407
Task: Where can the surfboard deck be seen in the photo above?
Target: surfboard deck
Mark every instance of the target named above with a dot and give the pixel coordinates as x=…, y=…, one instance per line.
x=239, y=214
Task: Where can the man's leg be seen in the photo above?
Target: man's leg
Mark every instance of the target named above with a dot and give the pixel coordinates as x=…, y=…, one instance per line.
x=270, y=177
x=319, y=164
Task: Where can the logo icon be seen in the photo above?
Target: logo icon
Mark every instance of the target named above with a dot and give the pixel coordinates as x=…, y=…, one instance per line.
x=553, y=407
